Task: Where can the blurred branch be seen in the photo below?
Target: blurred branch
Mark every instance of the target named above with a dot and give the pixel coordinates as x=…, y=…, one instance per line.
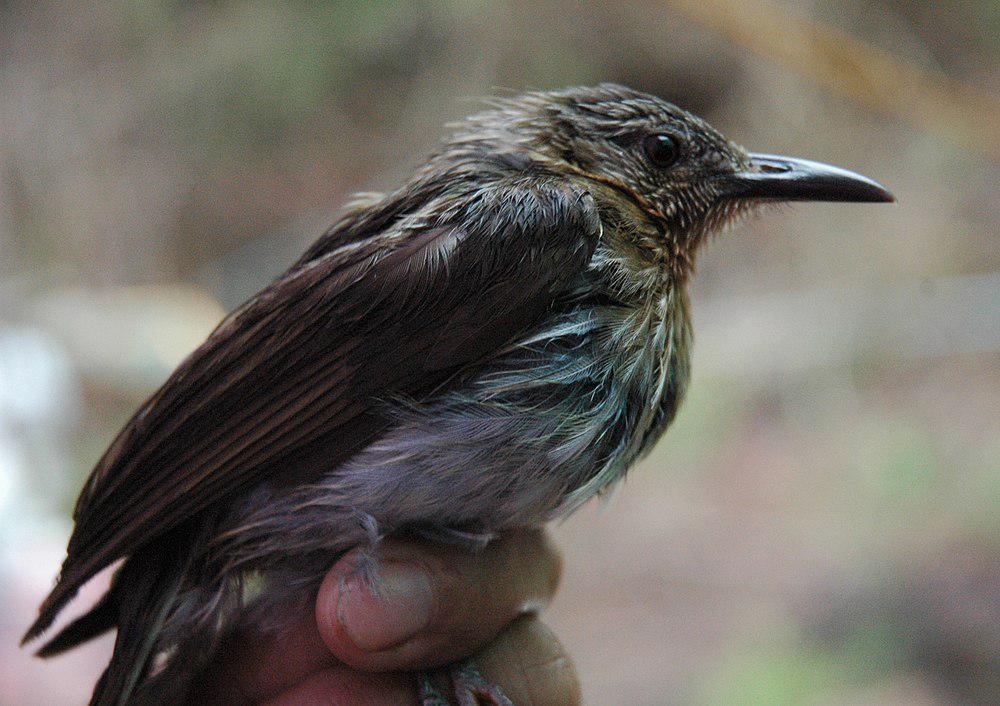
x=855, y=69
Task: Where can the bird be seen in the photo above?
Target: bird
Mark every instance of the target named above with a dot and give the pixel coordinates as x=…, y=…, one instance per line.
x=486, y=347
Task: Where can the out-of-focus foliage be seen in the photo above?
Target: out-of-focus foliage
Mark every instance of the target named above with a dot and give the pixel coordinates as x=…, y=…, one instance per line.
x=820, y=524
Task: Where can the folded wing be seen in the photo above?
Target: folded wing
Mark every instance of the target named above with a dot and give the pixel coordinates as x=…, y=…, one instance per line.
x=393, y=313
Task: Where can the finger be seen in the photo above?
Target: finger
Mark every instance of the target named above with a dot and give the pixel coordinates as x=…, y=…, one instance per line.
x=433, y=604
x=344, y=686
x=530, y=665
x=251, y=668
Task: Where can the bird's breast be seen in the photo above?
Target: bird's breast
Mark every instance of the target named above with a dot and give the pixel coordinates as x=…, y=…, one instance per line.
x=653, y=371
x=642, y=363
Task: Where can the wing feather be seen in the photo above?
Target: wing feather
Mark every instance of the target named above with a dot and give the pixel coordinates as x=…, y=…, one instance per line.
x=395, y=313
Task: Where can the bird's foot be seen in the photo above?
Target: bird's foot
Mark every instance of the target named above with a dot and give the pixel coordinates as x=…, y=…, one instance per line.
x=470, y=688
x=427, y=691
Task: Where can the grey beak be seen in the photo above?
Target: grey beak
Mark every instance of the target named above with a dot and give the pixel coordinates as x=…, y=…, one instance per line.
x=790, y=179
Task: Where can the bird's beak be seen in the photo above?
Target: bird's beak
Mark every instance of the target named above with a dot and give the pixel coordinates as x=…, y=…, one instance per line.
x=789, y=179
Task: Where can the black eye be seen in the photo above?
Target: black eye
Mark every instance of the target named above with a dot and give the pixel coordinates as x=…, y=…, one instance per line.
x=662, y=150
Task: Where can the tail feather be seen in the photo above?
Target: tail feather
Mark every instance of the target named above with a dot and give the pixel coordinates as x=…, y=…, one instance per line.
x=63, y=592
x=140, y=620
x=147, y=587
x=97, y=621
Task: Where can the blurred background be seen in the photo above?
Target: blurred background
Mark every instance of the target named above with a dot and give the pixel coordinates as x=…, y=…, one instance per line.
x=820, y=526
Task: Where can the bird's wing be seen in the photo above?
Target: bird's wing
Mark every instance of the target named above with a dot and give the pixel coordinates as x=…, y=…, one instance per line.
x=394, y=314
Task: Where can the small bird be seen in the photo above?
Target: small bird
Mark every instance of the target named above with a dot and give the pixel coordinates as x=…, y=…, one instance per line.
x=487, y=347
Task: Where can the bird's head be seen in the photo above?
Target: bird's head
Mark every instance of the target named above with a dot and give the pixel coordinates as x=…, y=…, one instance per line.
x=663, y=164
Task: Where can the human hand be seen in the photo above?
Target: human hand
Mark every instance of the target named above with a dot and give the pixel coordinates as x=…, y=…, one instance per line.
x=437, y=604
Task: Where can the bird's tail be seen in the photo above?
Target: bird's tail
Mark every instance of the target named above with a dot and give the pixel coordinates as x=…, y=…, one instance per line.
x=142, y=595
x=71, y=577
x=145, y=590
x=97, y=621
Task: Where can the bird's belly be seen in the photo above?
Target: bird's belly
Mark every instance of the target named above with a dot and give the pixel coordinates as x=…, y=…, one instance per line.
x=528, y=437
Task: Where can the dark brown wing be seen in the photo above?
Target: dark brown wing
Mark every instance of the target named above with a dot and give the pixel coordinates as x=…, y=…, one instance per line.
x=396, y=313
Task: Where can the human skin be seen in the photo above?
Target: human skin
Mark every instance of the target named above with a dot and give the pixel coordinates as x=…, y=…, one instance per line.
x=435, y=605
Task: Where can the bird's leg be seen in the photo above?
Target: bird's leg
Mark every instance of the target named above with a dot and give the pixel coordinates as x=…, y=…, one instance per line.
x=469, y=686
x=471, y=689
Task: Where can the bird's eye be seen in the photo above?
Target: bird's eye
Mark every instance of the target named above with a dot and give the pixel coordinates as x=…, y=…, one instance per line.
x=661, y=150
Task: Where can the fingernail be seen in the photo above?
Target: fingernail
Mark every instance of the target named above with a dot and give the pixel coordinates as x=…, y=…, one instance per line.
x=400, y=607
